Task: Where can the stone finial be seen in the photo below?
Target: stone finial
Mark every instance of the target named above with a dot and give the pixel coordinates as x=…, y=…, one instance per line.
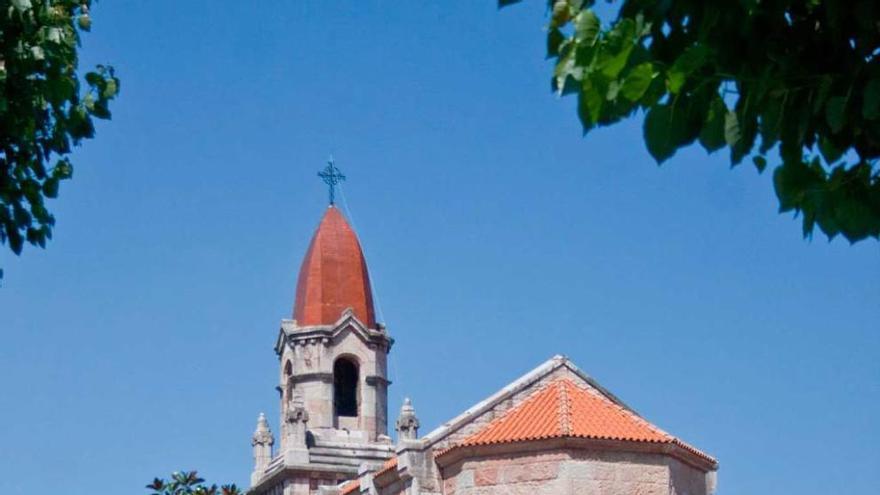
x=262, y=442
x=407, y=422
x=262, y=435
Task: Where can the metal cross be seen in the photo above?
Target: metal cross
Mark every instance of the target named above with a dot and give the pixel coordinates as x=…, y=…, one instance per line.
x=331, y=175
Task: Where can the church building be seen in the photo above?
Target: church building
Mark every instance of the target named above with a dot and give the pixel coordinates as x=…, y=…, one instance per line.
x=552, y=431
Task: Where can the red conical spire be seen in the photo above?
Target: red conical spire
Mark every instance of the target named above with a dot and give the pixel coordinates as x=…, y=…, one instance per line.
x=333, y=276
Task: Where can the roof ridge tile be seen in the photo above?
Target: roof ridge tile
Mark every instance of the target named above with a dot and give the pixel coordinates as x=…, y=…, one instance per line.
x=564, y=407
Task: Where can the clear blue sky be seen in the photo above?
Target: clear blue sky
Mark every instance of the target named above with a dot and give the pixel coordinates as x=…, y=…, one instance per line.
x=140, y=341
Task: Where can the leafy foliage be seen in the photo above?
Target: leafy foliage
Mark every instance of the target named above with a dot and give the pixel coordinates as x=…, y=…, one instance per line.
x=188, y=483
x=801, y=75
x=43, y=111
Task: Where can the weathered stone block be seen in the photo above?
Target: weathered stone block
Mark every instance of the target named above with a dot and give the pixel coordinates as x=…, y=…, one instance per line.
x=486, y=476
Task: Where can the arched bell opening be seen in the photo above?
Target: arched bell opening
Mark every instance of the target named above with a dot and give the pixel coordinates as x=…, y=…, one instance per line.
x=345, y=392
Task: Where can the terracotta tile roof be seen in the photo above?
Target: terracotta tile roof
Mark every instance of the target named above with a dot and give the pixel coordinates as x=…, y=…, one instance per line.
x=333, y=276
x=565, y=410
x=350, y=487
x=387, y=466
x=353, y=486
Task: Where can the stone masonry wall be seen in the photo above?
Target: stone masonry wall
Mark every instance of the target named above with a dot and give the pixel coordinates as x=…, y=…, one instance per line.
x=532, y=474
x=573, y=472
x=397, y=488
x=594, y=473
x=686, y=480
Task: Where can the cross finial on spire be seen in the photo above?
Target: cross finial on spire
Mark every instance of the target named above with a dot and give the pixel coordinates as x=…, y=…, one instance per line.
x=332, y=176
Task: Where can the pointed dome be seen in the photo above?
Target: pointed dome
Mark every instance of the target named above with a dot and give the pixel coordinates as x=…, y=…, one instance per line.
x=333, y=276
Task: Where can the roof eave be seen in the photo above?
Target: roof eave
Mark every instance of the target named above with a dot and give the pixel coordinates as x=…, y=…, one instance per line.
x=695, y=459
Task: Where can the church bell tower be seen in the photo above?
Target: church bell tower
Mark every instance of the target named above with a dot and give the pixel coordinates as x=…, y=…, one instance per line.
x=332, y=370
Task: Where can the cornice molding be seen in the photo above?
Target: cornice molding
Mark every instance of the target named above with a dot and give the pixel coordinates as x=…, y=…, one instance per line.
x=312, y=377
x=374, y=380
x=453, y=455
x=291, y=333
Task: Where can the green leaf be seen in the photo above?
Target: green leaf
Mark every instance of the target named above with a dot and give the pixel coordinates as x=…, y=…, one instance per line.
x=84, y=22
x=613, y=90
x=590, y=103
x=100, y=109
x=16, y=241
x=21, y=5
x=80, y=125
x=111, y=88
x=615, y=52
x=658, y=131
x=871, y=100
x=686, y=64
x=563, y=73
x=50, y=187
x=760, y=163
x=829, y=151
x=821, y=96
x=747, y=125
x=731, y=129
x=561, y=13
x=20, y=215
x=93, y=78
x=771, y=122
x=835, y=113
x=584, y=56
x=88, y=102
x=53, y=34
x=801, y=188
x=712, y=135
x=554, y=39
x=637, y=81
x=61, y=88
x=586, y=27
x=787, y=181
x=655, y=92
